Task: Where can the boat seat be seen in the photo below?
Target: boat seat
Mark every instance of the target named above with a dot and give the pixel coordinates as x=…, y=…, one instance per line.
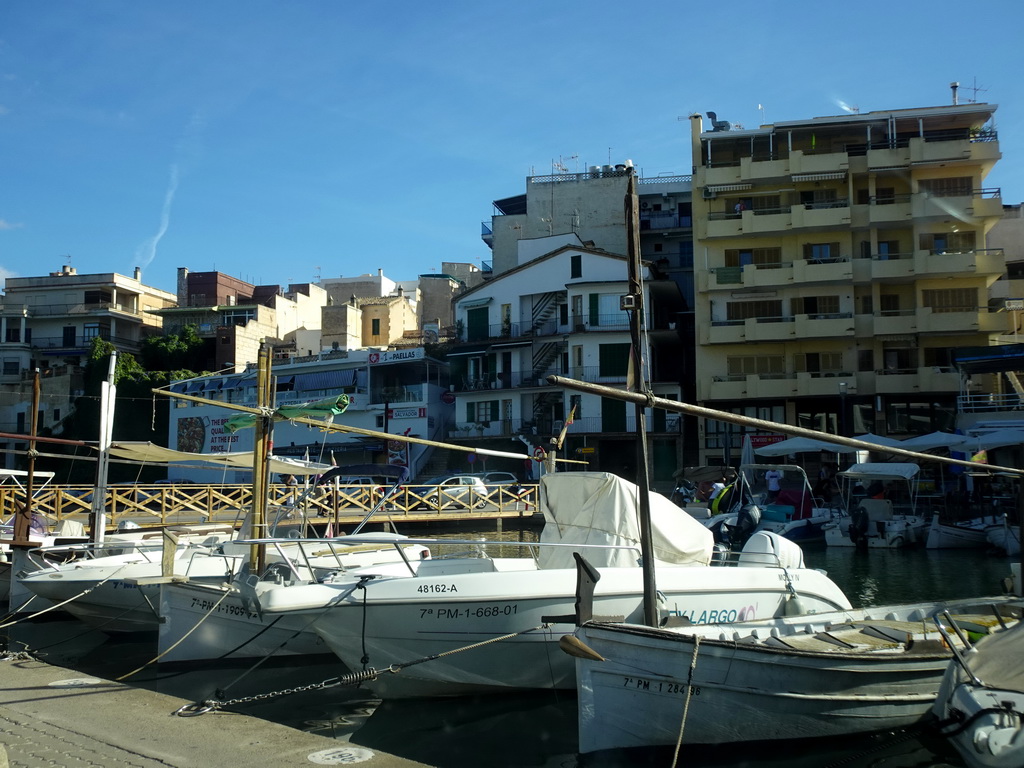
x=443, y=567
x=70, y=529
x=879, y=510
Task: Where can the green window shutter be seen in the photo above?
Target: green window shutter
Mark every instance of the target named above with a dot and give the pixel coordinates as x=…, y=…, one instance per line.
x=594, y=309
x=613, y=359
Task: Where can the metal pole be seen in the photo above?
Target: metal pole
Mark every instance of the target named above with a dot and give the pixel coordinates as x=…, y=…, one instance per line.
x=675, y=406
x=23, y=519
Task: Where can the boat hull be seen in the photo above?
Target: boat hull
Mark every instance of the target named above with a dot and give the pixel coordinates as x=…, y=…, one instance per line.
x=972, y=534
x=109, y=597
x=732, y=690
x=898, y=533
x=202, y=622
x=982, y=714
x=401, y=620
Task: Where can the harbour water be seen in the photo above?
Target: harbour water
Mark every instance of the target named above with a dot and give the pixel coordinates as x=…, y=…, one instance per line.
x=517, y=731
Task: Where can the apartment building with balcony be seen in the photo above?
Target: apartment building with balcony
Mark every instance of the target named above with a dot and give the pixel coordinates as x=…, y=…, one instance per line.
x=52, y=320
x=49, y=323
x=840, y=261
x=587, y=208
x=235, y=317
x=560, y=313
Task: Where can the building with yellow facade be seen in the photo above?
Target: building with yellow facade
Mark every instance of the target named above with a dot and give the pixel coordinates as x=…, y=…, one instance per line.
x=838, y=262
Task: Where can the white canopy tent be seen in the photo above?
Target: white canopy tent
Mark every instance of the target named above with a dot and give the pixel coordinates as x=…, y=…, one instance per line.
x=800, y=445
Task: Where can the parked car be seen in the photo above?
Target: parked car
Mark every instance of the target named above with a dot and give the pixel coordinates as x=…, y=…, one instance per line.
x=497, y=478
x=448, y=490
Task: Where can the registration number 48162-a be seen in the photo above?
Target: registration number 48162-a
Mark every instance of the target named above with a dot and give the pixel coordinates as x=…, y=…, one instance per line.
x=437, y=588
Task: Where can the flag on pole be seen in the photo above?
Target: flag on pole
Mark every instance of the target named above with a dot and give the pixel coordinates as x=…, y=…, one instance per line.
x=565, y=427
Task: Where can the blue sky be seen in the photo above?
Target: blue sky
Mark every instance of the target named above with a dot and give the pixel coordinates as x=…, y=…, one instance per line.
x=282, y=141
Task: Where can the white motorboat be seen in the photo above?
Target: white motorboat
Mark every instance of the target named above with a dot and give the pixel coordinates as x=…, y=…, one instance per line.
x=980, y=705
x=116, y=587
x=39, y=528
x=830, y=674
x=892, y=522
x=962, y=534
x=98, y=583
x=389, y=617
x=206, y=620
x=790, y=509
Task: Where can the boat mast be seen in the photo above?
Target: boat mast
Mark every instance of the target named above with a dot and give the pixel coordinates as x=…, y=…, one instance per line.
x=262, y=448
x=633, y=303
x=108, y=391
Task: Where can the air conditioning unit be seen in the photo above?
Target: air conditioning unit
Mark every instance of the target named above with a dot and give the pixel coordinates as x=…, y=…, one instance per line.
x=709, y=193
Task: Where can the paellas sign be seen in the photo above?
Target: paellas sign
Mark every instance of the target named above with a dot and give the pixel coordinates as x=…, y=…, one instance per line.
x=395, y=356
x=407, y=413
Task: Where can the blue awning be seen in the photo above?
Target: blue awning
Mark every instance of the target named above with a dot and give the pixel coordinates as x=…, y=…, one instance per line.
x=326, y=379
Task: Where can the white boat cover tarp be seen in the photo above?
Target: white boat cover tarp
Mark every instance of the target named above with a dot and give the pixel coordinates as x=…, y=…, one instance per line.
x=882, y=471
x=998, y=659
x=156, y=454
x=602, y=508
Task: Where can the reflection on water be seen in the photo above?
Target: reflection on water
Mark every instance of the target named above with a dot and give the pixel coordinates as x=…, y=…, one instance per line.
x=521, y=730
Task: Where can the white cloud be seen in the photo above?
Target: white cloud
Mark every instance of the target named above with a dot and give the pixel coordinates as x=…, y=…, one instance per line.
x=4, y=224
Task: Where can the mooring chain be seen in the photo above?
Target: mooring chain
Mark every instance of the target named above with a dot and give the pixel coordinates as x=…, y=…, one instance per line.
x=355, y=678
x=63, y=602
x=212, y=705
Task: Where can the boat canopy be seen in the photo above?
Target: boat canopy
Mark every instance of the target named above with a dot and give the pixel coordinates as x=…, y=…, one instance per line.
x=151, y=453
x=881, y=471
x=599, y=508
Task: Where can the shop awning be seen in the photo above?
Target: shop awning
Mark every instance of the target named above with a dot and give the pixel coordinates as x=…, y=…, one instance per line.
x=819, y=176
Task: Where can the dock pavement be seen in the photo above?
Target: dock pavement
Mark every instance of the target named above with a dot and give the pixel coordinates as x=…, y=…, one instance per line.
x=54, y=716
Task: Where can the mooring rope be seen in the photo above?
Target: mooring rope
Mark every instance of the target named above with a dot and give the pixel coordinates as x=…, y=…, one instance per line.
x=64, y=602
x=686, y=700
x=179, y=642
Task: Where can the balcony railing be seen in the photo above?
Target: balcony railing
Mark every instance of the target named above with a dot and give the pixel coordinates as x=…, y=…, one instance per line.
x=81, y=308
x=655, y=220
x=548, y=426
x=994, y=402
x=519, y=330
x=516, y=379
x=80, y=342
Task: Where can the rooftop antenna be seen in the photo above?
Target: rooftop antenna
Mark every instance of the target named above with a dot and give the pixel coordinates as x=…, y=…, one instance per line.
x=760, y=107
x=976, y=90
x=317, y=268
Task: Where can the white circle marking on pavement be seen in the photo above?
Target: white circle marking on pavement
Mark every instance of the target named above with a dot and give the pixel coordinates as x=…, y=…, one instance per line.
x=340, y=756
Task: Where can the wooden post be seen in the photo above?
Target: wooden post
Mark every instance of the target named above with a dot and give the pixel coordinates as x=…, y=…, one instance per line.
x=23, y=518
x=639, y=385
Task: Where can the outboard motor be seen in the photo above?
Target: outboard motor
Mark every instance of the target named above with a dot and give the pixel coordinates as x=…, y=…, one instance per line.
x=858, y=530
x=748, y=518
